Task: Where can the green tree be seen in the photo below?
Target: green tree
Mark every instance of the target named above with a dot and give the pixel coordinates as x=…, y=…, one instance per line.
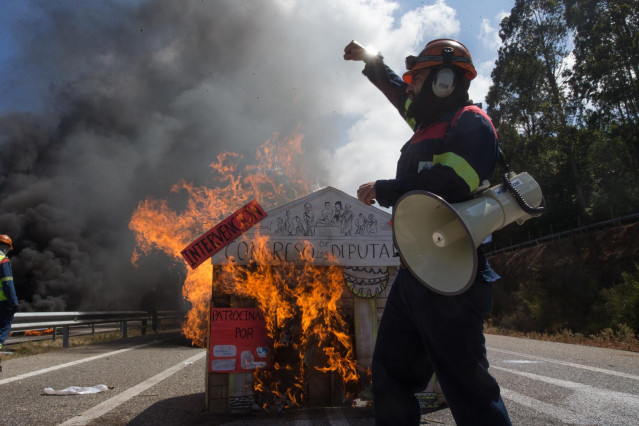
x=606, y=50
x=621, y=302
x=529, y=96
x=605, y=84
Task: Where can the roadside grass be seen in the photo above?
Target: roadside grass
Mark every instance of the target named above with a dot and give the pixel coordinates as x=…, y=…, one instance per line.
x=49, y=345
x=622, y=337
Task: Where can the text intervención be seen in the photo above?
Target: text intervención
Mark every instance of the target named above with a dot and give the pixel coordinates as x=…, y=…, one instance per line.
x=221, y=235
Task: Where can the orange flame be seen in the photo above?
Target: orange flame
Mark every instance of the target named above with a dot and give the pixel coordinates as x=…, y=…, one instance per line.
x=302, y=312
x=38, y=332
x=157, y=227
x=300, y=302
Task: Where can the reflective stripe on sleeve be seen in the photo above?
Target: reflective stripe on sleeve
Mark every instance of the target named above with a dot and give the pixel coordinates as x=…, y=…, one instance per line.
x=460, y=166
x=410, y=121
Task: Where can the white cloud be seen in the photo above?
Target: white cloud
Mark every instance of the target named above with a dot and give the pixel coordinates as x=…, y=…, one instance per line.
x=489, y=35
x=371, y=149
x=480, y=85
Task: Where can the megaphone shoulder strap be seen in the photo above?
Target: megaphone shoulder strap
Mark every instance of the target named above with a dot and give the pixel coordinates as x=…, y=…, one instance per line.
x=502, y=161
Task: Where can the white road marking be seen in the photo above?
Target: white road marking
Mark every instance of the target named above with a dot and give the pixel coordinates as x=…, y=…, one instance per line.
x=108, y=405
x=569, y=364
x=553, y=411
x=587, y=404
x=72, y=363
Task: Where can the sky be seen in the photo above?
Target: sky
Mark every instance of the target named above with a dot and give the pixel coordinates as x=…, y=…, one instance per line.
x=103, y=104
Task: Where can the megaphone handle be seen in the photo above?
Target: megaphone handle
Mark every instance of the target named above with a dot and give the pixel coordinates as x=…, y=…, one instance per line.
x=509, y=186
x=520, y=200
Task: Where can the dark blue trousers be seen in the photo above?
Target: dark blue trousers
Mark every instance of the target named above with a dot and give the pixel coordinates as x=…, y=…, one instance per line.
x=6, y=318
x=422, y=332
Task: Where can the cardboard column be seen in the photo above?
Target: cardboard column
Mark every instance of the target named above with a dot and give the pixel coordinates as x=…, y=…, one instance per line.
x=369, y=286
x=216, y=387
x=217, y=384
x=365, y=316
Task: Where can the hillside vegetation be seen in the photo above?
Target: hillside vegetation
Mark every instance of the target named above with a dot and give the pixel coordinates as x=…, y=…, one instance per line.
x=584, y=284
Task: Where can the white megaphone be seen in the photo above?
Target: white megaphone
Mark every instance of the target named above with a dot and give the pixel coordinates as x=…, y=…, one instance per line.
x=438, y=241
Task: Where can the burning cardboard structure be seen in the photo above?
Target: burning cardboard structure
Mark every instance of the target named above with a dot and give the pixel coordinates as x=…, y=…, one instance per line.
x=344, y=249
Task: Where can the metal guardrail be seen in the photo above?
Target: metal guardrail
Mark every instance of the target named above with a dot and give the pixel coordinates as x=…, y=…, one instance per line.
x=38, y=321
x=559, y=235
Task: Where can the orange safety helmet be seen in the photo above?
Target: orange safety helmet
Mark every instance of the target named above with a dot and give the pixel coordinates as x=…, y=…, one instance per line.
x=438, y=52
x=4, y=239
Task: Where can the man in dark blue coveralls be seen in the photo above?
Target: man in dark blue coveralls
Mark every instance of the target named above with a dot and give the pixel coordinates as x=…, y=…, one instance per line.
x=453, y=149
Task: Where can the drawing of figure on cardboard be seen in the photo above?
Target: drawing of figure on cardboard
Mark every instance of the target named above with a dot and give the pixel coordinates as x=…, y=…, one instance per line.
x=371, y=224
x=347, y=227
x=299, y=228
x=280, y=226
x=327, y=214
x=309, y=218
x=338, y=214
x=289, y=223
x=360, y=223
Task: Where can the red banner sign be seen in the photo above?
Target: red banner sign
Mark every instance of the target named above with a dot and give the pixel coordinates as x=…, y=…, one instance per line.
x=221, y=235
x=239, y=342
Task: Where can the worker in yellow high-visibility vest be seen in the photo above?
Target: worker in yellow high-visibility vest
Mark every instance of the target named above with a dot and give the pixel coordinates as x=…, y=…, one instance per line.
x=8, y=298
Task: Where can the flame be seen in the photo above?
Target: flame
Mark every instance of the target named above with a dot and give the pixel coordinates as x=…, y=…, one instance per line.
x=158, y=227
x=38, y=332
x=300, y=302
x=302, y=312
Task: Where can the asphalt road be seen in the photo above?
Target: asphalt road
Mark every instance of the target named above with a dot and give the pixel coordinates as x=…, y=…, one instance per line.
x=159, y=380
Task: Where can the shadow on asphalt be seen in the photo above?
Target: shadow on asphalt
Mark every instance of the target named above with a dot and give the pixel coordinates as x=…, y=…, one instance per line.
x=189, y=410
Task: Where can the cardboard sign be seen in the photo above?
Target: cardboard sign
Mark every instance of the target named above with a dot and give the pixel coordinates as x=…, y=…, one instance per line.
x=224, y=233
x=328, y=226
x=238, y=342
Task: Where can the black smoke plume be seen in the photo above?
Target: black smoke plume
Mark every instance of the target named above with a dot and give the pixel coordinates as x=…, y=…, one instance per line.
x=116, y=101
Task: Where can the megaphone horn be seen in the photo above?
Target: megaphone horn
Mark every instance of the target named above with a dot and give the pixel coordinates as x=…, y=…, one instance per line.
x=438, y=241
